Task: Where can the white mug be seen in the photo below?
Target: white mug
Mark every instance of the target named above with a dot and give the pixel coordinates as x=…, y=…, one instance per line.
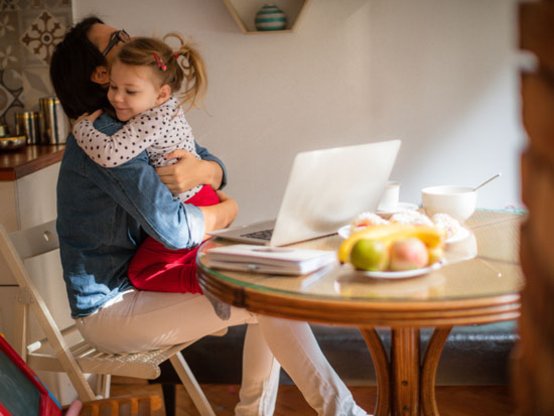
x=391, y=197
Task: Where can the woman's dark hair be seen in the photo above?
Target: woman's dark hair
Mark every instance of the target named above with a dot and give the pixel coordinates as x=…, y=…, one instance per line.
x=73, y=62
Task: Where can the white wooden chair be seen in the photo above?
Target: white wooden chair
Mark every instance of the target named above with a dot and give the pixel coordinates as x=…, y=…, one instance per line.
x=64, y=350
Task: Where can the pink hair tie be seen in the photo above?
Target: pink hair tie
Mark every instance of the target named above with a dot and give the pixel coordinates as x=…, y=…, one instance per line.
x=161, y=64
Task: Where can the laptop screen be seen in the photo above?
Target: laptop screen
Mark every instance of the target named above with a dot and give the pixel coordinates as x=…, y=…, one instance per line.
x=327, y=188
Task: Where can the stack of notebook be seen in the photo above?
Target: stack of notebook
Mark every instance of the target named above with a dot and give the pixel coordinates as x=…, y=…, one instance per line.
x=264, y=259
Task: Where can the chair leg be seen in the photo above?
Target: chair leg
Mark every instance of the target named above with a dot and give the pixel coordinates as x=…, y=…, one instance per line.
x=84, y=390
x=191, y=385
x=103, y=385
x=168, y=390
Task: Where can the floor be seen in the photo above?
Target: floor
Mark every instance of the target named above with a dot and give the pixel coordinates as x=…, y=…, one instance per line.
x=452, y=400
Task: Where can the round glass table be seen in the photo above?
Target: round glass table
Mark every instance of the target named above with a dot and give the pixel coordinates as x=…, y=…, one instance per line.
x=479, y=283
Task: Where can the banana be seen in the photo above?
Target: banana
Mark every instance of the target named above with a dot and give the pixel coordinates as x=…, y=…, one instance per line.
x=387, y=233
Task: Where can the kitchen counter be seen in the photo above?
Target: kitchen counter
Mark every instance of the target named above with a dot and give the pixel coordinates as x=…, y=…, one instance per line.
x=31, y=158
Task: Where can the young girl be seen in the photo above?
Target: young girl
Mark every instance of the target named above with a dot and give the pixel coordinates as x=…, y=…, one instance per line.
x=143, y=80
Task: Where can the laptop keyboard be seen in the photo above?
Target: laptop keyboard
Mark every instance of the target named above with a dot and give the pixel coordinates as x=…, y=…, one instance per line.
x=260, y=235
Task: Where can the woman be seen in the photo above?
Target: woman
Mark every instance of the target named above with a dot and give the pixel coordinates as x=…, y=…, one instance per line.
x=103, y=215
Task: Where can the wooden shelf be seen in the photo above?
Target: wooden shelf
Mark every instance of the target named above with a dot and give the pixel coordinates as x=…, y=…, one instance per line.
x=31, y=158
x=244, y=13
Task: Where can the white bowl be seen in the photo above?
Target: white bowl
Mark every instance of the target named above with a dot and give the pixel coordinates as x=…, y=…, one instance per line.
x=457, y=201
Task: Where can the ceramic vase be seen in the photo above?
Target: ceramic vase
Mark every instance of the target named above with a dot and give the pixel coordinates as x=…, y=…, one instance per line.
x=270, y=17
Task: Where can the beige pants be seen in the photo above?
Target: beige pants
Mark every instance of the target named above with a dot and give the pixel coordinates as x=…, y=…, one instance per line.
x=140, y=320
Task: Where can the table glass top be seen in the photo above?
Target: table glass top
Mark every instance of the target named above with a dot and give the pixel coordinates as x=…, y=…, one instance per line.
x=483, y=265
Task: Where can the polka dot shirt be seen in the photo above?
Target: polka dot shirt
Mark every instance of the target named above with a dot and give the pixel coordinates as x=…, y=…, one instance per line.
x=159, y=131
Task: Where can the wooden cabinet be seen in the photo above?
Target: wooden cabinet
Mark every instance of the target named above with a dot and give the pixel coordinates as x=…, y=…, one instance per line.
x=244, y=13
x=24, y=202
x=27, y=198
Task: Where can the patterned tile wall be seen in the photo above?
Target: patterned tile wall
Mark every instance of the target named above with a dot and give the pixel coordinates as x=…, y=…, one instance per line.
x=29, y=30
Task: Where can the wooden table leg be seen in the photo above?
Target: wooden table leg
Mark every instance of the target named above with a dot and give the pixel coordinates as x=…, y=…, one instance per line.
x=405, y=370
x=429, y=370
x=404, y=387
x=382, y=370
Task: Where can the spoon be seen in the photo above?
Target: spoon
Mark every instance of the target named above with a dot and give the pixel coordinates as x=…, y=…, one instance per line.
x=486, y=181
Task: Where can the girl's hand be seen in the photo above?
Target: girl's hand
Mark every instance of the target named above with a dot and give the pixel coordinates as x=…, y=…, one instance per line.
x=89, y=117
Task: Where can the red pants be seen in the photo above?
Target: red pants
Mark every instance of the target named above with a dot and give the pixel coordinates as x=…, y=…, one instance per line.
x=159, y=269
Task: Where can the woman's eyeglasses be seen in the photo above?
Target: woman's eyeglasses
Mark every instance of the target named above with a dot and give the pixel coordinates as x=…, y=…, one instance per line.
x=115, y=38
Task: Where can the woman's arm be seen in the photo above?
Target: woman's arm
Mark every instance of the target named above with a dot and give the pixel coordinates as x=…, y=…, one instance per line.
x=219, y=172
x=137, y=189
x=220, y=215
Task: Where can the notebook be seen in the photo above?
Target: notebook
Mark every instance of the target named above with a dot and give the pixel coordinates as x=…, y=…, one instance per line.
x=274, y=260
x=326, y=189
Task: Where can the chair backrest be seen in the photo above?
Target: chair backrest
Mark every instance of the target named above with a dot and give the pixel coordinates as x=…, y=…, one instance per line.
x=26, y=244
x=14, y=249
x=37, y=240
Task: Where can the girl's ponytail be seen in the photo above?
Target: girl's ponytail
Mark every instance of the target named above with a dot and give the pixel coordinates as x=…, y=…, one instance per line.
x=194, y=81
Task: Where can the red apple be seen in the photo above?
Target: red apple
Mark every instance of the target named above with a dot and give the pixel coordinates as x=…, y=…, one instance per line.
x=408, y=254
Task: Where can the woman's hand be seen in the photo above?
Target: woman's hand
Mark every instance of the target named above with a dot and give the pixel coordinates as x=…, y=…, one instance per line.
x=220, y=215
x=189, y=172
x=89, y=117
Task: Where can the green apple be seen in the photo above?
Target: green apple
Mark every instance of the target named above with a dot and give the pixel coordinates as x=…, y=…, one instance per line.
x=368, y=254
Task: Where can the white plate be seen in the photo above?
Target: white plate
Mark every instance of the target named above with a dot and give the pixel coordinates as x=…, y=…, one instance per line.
x=462, y=234
x=402, y=206
x=402, y=274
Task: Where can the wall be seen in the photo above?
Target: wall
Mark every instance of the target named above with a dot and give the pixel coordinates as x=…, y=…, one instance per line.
x=29, y=29
x=438, y=74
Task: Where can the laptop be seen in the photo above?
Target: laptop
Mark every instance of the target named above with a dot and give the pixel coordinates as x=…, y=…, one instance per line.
x=326, y=189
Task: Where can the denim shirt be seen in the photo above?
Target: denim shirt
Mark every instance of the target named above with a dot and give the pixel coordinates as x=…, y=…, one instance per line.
x=103, y=215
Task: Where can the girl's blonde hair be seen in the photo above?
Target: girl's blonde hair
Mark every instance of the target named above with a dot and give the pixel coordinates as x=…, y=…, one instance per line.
x=181, y=69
